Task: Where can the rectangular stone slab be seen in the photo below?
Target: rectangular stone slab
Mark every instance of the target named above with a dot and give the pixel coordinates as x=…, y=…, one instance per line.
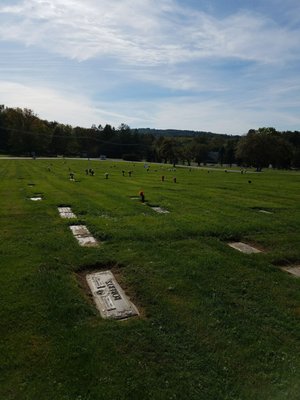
x=87, y=241
x=293, y=270
x=80, y=230
x=109, y=297
x=244, y=248
x=83, y=236
x=160, y=210
x=66, y=212
x=35, y=198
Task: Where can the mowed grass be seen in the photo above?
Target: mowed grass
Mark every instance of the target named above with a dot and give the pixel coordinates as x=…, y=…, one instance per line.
x=214, y=324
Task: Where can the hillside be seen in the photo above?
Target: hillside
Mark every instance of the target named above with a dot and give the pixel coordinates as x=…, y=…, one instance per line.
x=181, y=133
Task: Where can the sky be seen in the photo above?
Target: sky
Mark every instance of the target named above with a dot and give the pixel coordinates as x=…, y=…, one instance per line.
x=224, y=66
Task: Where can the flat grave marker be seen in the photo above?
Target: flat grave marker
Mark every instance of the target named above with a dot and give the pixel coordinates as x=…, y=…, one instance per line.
x=295, y=270
x=244, y=248
x=66, y=212
x=109, y=297
x=159, y=210
x=36, y=198
x=83, y=236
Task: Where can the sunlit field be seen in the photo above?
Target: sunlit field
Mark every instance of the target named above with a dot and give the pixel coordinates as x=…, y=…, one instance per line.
x=214, y=323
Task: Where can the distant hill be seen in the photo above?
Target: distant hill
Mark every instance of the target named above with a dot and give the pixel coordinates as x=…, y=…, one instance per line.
x=179, y=133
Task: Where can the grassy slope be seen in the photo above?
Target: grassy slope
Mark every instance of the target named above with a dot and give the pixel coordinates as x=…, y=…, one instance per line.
x=217, y=324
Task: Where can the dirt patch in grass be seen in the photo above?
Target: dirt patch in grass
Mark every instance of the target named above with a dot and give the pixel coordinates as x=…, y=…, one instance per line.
x=285, y=262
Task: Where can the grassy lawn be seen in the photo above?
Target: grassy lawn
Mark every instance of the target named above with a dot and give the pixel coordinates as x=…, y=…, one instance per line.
x=215, y=323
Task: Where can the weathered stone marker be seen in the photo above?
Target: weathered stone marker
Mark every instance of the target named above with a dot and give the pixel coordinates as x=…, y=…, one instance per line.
x=244, y=248
x=295, y=270
x=110, y=299
x=36, y=198
x=160, y=210
x=66, y=212
x=83, y=236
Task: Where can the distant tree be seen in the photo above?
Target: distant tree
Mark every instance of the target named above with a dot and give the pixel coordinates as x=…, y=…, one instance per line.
x=41, y=137
x=229, y=154
x=186, y=152
x=15, y=125
x=62, y=134
x=148, y=146
x=4, y=133
x=168, y=150
x=293, y=138
x=200, y=152
x=256, y=147
x=296, y=158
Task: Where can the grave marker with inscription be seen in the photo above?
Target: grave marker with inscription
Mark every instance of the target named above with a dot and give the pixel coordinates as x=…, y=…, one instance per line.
x=83, y=236
x=66, y=212
x=110, y=299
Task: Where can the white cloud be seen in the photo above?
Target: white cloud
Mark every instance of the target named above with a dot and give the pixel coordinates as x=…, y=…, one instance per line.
x=218, y=115
x=223, y=116
x=151, y=49
x=149, y=32
x=64, y=107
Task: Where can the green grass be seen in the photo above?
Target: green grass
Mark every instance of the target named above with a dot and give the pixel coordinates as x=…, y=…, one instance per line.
x=215, y=323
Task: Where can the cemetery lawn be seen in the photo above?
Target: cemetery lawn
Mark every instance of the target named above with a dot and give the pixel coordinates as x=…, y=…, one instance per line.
x=215, y=324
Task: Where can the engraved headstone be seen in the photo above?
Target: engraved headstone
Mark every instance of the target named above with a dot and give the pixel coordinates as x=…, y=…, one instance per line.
x=295, y=270
x=244, y=248
x=66, y=212
x=109, y=297
x=83, y=236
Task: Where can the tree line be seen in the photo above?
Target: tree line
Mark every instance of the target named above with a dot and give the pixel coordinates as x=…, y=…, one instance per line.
x=22, y=132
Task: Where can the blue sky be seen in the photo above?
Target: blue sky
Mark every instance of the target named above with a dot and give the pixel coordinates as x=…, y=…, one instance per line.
x=222, y=66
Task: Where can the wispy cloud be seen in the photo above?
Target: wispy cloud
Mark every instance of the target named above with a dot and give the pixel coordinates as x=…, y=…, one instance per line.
x=217, y=115
x=50, y=104
x=153, y=62
x=150, y=32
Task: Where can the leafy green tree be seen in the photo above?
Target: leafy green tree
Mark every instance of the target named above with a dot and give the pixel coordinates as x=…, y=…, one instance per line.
x=200, y=152
x=282, y=154
x=61, y=136
x=229, y=154
x=41, y=136
x=4, y=133
x=168, y=150
x=186, y=152
x=259, y=147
